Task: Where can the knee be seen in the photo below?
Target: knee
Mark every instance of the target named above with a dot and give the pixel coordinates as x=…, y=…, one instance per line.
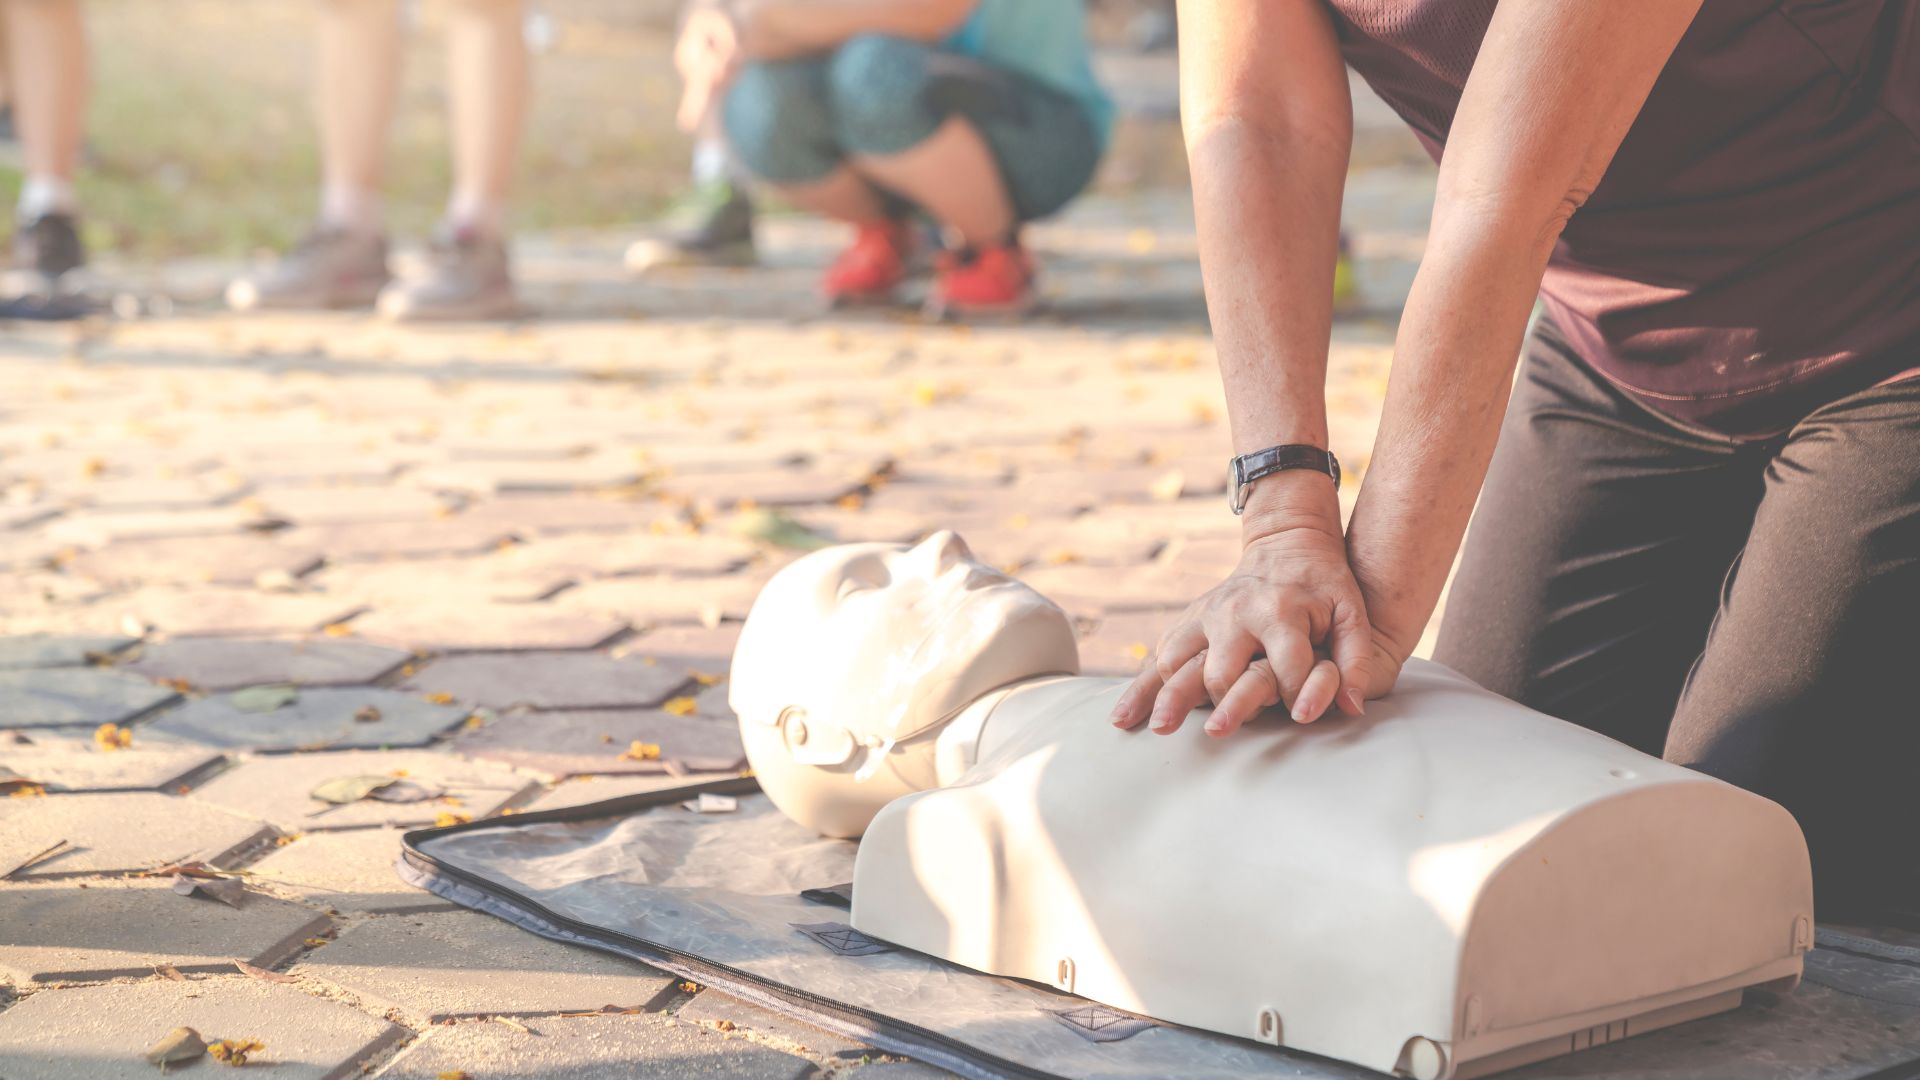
x=878, y=86
x=777, y=122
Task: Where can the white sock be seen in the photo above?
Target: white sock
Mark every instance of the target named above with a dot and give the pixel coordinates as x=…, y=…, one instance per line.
x=352, y=210
x=710, y=162
x=469, y=211
x=42, y=195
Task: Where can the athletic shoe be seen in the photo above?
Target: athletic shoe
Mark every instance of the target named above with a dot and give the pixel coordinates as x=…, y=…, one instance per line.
x=711, y=225
x=466, y=277
x=329, y=268
x=45, y=280
x=871, y=267
x=984, y=281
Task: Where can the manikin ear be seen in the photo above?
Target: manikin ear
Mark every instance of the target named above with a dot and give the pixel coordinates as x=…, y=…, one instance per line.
x=814, y=742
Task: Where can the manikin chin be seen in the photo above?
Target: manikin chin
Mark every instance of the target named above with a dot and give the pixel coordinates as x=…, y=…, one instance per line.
x=1448, y=886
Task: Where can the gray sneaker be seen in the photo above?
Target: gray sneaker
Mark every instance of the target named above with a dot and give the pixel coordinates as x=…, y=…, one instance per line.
x=711, y=225
x=467, y=277
x=329, y=268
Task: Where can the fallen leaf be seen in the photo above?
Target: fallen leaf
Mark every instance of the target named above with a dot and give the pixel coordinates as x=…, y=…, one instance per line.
x=350, y=789
x=12, y=782
x=180, y=1044
x=27, y=791
x=776, y=528
x=440, y=698
x=514, y=1024
x=234, y=1051
x=1169, y=486
x=455, y=1074
x=680, y=706
x=724, y=1024
x=366, y=714
x=259, y=972
x=316, y=942
x=705, y=678
x=688, y=986
x=111, y=737
x=263, y=699
x=169, y=971
x=642, y=751
x=1137, y=650
x=446, y=820
x=229, y=891
x=338, y=629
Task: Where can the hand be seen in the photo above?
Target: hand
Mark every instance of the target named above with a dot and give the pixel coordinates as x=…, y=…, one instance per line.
x=706, y=56
x=1288, y=626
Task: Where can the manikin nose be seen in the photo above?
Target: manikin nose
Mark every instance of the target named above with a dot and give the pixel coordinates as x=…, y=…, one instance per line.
x=940, y=551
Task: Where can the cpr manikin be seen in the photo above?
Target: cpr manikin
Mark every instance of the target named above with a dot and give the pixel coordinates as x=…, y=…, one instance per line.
x=1450, y=885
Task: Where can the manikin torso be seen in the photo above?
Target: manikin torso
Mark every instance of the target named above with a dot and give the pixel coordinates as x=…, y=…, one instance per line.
x=1450, y=878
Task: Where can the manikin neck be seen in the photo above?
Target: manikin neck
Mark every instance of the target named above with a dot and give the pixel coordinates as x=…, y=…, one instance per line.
x=965, y=737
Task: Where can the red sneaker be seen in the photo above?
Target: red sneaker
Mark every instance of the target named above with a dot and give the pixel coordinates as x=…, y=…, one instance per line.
x=991, y=281
x=871, y=267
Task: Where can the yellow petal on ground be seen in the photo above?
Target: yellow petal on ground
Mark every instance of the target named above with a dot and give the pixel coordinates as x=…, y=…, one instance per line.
x=111, y=737
x=705, y=678
x=440, y=698
x=446, y=818
x=1137, y=650
x=680, y=706
x=338, y=629
x=642, y=751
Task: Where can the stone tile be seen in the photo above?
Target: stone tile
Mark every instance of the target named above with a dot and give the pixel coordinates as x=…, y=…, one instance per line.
x=119, y=832
x=201, y=560
x=57, y=650
x=345, y=871
x=844, y=526
x=104, y=1032
x=98, y=528
x=663, y=599
x=148, y=493
x=710, y=1007
x=584, y=789
x=575, y=743
x=325, y=718
x=19, y=517
x=1119, y=644
x=901, y=1070
x=76, y=764
x=451, y=964
x=546, y=515
x=585, y=556
x=594, y=1048
x=708, y=650
x=230, y=663
x=227, y=612
x=70, y=931
x=43, y=697
x=550, y=680
x=482, y=577
x=452, y=627
x=345, y=505
x=506, y=476
x=426, y=537
x=770, y=487
x=278, y=788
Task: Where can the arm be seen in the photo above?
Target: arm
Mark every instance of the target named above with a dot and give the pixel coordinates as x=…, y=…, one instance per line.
x=779, y=29
x=1553, y=92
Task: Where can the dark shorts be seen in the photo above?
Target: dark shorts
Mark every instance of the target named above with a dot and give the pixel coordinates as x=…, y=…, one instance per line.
x=1750, y=610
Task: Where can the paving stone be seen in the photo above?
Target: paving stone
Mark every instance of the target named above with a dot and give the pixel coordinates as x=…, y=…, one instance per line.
x=593, y=1048
x=73, y=764
x=1119, y=644
x=503, y=476
x=771, y=487
x=711, y=1006
x=19, y=517
x=119, y=832
x=482, y=577
x=703, y=649
x=345, y=871
x=228, y=663
x=586, y=788
x=324, y=718
x=457, y=535
x=585, y=556
x=70, y=931
x=44, y=697
x=451, y=626
x=278, y=788
x=546, y=515
x=104, y=1032
x=451, y=964
x=98, y=528
x=574, y=743
x=901, y=1070
x=550, y=680
x=344, y=505
x=217, y=560
x=57, y=650
x=227, y=612
x=150, y=493
x=664, y=599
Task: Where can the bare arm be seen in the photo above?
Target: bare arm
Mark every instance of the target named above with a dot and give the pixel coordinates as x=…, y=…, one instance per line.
x=1555, y=88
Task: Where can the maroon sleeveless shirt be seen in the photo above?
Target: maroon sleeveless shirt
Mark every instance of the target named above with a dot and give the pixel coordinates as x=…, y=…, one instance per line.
x=1753, y=251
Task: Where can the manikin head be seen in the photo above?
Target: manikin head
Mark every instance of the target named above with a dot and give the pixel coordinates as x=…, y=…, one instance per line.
x=854, y=657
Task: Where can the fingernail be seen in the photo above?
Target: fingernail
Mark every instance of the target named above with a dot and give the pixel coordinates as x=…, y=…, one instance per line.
x=1300, y=712
x=1216, y=726
x=1354, y=701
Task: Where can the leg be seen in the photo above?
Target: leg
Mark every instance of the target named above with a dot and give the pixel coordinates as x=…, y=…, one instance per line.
x=487, y=83
x=778, y=118
x=47, y=69
x=1593, y=564
x=358, y=79
x=1804, y=692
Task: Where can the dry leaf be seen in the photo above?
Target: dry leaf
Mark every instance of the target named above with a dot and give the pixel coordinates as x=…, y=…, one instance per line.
x=705, y=678
x=445, y=820
x=642, y=751
x=228, y=891
x=680, y=706
x=724, y=1024
x=455, y=1074
x=262, y=973
x=366, y=714
x=316, y=942
x=338, y=629
x=1169, y=486
x=688, y=986
x=350, y=789
x=169, y=971
x=180, y=1044
x=263, y=699
x=1137, y=650
x=440, y=698
x=111, y=737
x=234, y=1051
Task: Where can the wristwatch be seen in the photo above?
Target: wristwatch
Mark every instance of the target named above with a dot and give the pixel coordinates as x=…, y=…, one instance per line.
x=1245, y=469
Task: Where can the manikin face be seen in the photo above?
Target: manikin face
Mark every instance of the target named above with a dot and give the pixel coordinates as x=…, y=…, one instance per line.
x=857, y=649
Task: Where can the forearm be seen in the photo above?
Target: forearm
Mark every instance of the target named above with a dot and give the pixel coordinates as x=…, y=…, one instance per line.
x=779, y=29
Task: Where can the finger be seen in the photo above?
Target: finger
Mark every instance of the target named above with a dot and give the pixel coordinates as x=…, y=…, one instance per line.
x=1182, y=694
x=1316, y=694
x=1351, y=643
x=1227, y=657
x=1253, y=691
x=1177, y=646
x=1137, y=698
x=1291, y=656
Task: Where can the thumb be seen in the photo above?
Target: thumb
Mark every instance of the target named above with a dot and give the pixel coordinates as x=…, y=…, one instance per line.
x=1350, y=643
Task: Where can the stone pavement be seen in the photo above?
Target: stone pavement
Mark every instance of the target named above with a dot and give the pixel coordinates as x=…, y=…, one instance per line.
x=463, y=571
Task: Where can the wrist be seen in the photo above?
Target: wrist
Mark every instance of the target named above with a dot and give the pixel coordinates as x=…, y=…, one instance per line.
x=1291, y=499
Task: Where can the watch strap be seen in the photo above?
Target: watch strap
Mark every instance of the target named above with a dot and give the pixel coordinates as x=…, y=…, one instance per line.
x=1247, y=468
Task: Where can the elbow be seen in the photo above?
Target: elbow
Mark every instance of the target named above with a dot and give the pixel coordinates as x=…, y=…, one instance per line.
x=1232, y=124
